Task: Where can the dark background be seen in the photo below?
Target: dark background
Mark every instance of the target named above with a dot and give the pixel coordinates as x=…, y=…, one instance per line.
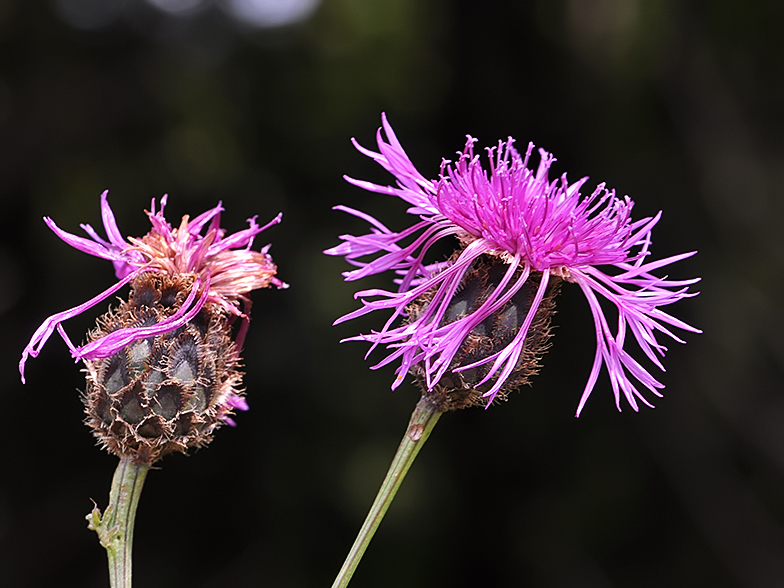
x=678, y=104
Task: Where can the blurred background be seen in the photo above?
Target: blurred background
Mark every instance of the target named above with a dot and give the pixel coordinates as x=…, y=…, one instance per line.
x=254, y=102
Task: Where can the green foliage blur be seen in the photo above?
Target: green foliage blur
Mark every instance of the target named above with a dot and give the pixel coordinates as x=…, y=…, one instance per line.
x=678, y=104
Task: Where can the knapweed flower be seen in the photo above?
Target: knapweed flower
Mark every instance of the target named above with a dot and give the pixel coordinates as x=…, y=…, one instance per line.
x=162, y=367
x=479, y=321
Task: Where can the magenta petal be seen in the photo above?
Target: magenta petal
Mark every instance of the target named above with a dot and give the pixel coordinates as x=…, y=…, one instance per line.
x=113, y=342
x=42, y=334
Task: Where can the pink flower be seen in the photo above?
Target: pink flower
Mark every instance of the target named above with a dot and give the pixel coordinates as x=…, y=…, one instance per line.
x=534, y=225
x=224, y=270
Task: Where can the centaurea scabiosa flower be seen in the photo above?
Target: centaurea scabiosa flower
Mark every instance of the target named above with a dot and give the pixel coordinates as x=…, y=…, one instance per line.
x=163, y=366
x=516, y=230
x=475, y=326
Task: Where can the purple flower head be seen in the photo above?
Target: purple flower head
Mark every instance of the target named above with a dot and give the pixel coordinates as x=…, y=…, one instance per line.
x=223, y=270
x=536, y=226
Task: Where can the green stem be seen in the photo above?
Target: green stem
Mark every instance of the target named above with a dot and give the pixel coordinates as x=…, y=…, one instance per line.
x=423, y=419
x=115, y=526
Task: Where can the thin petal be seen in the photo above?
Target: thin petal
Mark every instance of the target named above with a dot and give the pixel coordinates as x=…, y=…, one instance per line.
x=42, y=334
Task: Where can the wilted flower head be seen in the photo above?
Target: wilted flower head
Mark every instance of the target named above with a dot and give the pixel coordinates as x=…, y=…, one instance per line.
x=162, y=367
x=519, y=233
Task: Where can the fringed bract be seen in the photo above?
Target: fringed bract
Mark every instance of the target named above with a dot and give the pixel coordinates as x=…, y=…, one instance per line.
x=168, y=392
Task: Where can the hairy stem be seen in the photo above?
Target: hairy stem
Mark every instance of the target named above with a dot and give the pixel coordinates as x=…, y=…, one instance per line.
x=115, y=525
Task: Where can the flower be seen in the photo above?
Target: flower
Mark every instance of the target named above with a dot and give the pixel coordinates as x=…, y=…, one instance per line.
x=162, y=367
x=541, y=230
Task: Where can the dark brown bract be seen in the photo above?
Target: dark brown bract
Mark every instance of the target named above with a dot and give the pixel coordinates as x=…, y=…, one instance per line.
x=167, y=392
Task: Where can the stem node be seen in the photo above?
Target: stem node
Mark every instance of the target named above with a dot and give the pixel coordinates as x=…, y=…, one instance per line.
x=115, y=526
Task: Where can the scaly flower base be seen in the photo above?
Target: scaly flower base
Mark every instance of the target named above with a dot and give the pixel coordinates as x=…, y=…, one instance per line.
x=115, y=526
x=423, y=419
